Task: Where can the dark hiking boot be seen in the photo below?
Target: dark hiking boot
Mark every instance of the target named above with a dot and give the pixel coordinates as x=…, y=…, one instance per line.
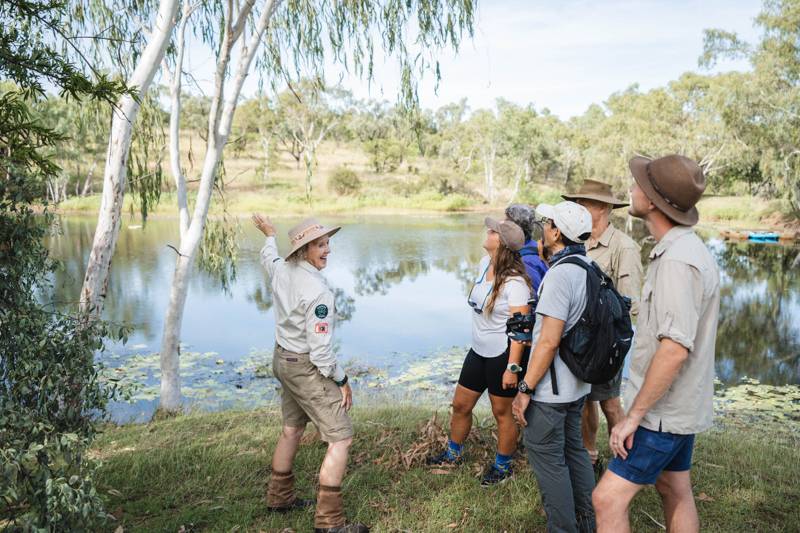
x=443, y=459
x=494, y=476
x=298, y=503
x=347, y=528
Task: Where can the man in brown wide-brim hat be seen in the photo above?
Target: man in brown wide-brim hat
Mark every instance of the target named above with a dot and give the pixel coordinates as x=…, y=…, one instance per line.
x=670, y=391
x=620, y=257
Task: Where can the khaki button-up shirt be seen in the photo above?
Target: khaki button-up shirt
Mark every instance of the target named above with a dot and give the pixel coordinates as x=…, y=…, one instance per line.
x=304, y=309
x=620, y=257
x=680, y=301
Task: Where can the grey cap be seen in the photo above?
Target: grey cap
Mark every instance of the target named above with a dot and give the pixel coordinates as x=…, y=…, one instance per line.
x=511, y=235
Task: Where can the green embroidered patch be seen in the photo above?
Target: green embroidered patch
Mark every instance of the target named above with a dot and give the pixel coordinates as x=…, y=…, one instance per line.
x=321, y=311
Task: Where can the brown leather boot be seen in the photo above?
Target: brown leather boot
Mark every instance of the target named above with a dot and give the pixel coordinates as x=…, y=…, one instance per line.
x=329, y=517
x=280, y=493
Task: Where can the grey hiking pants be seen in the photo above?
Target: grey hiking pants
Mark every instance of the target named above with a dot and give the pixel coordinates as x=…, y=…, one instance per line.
x=561, y=465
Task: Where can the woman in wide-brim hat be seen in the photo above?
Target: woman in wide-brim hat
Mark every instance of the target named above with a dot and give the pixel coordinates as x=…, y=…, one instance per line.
x=314, y=386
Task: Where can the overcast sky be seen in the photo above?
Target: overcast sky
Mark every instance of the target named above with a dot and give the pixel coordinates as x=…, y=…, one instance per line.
x=557, y=54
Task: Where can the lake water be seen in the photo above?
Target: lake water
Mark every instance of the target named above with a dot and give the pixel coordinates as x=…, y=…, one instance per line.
x=401, y=285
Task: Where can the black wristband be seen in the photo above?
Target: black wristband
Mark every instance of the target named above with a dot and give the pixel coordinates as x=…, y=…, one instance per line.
x=341, y=383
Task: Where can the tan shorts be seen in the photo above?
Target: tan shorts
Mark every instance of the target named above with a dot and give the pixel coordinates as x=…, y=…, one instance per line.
x=308, y=396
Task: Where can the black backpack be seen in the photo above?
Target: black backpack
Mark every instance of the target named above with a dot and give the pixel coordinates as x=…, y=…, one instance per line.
x=594, y=349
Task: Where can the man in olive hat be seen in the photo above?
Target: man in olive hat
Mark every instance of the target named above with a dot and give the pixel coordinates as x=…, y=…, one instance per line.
x=620, y=257
x=670, y=391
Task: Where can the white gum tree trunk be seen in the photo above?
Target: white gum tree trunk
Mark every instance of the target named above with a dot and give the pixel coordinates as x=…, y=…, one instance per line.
x=219, y=127
x=95, y=281
x=488, y=171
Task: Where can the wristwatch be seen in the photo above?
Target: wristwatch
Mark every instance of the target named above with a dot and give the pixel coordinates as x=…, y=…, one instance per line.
x=341, y=383
x=523, y=387
x=514, y=367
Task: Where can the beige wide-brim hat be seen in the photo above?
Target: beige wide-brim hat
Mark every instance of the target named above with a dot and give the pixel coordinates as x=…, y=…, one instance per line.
x=307, y=231
x=597, y=191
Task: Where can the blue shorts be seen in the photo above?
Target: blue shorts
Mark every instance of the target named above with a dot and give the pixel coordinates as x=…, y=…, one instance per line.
x=652, y=453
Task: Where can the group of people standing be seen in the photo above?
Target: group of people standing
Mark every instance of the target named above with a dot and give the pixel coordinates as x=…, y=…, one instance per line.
x=668, y=397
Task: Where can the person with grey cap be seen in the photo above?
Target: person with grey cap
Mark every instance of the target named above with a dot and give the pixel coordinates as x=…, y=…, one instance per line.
x=620, y=257
x=532, y=252
x=493, y=362
x=314, y=386
x=669, y=396
x=550, y=398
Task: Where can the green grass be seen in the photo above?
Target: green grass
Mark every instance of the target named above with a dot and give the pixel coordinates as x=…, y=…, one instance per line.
x=281, y=198
x=208, y=472
x=294, y=203
x=744, y=212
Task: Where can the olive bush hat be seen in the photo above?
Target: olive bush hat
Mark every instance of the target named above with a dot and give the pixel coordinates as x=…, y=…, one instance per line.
x=597, y=191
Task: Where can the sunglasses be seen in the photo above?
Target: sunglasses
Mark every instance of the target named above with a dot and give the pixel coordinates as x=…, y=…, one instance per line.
x=472, y=303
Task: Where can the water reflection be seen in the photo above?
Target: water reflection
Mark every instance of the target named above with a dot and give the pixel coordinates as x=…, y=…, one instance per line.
x=759, y=331
x=400, y=284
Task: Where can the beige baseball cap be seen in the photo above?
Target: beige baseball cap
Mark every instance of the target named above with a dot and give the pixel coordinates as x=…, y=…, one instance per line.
x=572, y=219
x=511, y=235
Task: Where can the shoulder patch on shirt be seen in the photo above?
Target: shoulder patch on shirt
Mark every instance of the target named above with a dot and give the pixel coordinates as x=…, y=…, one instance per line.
x=321, y=311
x=321, y=327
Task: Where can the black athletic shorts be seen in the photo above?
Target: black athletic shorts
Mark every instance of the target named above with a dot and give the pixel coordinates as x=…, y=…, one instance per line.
x=481, y=373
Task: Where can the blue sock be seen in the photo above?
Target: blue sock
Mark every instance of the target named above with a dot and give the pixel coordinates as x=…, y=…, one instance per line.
x=502, y=462
x=454, y=449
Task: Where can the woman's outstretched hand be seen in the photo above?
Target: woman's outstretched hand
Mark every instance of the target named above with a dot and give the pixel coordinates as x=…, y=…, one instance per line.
x=264, y=224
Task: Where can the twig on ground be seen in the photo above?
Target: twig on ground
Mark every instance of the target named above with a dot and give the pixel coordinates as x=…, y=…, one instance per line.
x=656, y=522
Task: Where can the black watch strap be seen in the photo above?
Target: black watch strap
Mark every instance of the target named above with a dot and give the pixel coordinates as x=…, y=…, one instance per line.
x=341, y=383
x=523, y=387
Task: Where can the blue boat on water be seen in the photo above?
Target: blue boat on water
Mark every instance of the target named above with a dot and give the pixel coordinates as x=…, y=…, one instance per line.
x=763, y=236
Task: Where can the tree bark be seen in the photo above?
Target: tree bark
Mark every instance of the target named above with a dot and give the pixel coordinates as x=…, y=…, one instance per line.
x=87, y=184
x=175, y=123
x=219, y=128
x=95, y=281
x=488, y=171
x=170, y=366
x=266, y=141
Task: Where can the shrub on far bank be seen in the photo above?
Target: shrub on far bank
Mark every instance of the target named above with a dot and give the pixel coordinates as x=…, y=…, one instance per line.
x=344, y=181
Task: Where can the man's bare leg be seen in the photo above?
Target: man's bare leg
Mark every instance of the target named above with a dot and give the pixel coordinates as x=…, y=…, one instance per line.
x=680, y=511
x=611, y=499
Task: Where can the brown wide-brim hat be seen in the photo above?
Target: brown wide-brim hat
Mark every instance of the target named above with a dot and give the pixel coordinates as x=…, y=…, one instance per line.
x=673, y=183
x=307, y=231
x=597, y=191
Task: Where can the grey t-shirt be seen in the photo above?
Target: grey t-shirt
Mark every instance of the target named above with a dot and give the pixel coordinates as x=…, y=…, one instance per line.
x=562, y=295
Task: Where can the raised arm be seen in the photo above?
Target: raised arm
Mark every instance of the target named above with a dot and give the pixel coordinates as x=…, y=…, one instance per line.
x=269, y=253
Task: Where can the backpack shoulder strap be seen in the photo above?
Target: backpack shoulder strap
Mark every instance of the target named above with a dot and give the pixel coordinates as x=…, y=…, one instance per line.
x=572, y=260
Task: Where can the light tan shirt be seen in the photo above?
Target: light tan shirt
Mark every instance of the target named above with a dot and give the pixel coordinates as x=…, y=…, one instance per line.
x=304, y=309
x=680, y=301
x=620, y=257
